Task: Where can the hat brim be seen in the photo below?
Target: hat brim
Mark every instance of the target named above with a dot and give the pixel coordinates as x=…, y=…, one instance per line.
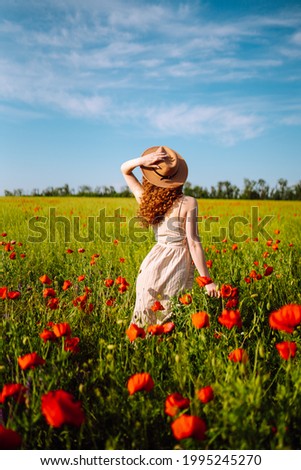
x=177, y=180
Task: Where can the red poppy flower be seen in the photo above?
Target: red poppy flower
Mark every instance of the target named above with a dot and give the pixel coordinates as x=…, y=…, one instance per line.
x=200, y=319
x=203, y=280
x=81, y=278
x=234, y=246
x=248, y=280
x=238, y=355
x=286, y=318
x=232, y=303
x=8, y=247
x=121, y=260
x=226, y=291
x=140, y=381
x=205, y=394
x=108, y=282
x=157, y=306
x=230, y=318
x=59, y=408
x=185, y=299
x=47, y=335
x=3, y=292
x=30, y=360
x=81, y=250
x=71, y=344
x=49, y=292
x=277, y=231
x=122, y=288
x=253, y=274
x=168, y=327
x=13, y=255
x=81, y=301
x=69, y=251
x=269, y=270
x=61, y=329
x=66, y=285
x=110, y=302
x=134, y=331
x=9, y=439
x=209, y=263
x=3, y=234
x=15, y=390
x=121, y=280
x=174, y=403
x=287, y=349
x=189, y=426
x=13, y=294
x=45, y=279
x=22, y=255
x=53, y=303
x=155, y=329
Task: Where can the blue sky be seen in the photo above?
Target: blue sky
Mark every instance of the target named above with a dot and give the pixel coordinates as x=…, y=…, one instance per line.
x=87, y=84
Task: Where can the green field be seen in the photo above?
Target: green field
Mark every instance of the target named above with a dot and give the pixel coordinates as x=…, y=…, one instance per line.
x=255, y=403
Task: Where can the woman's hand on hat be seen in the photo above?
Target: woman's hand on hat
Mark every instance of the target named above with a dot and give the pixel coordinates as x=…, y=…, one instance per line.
x=212, y=290
x=151, y=160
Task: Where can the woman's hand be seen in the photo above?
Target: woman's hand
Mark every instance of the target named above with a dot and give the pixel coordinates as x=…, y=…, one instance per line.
x=212, y=290
x=152, y=160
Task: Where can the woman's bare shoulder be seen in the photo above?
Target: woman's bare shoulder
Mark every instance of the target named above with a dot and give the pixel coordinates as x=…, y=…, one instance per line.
x=190, y=202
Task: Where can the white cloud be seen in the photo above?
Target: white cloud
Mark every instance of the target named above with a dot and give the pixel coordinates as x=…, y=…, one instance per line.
x=223, y=123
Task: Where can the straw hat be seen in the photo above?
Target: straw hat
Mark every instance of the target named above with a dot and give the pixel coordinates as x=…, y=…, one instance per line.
x=172, y=171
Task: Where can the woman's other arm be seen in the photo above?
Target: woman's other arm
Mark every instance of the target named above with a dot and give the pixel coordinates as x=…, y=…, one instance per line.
x=195, y=246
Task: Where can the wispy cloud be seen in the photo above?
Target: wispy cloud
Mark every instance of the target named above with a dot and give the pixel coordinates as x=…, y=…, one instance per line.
x=91, y=56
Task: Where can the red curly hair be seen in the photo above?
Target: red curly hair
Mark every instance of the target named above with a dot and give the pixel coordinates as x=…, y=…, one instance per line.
x=156, y=201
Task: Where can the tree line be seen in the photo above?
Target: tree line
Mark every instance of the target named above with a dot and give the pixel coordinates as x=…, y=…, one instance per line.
x=251, y=189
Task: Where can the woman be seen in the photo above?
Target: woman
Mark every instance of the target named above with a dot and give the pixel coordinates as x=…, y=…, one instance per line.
x=168, y=269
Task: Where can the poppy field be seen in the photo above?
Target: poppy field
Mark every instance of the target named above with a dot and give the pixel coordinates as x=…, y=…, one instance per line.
x=223, y=373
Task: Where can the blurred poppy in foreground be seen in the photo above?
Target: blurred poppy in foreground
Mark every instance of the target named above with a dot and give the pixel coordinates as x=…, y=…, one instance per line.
x=59, y=407
x=140, y=381
x=238, y=355
x=205, y=394
x=174, y=403
x=230, y=318
x=30, y=360
x=200, y=319
x=134, y=332
x=286, y=318
x=9, y=439
x=287, y=349
x=189, y=426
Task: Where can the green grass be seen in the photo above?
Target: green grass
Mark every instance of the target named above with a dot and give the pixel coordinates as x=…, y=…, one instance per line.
x=256, y=405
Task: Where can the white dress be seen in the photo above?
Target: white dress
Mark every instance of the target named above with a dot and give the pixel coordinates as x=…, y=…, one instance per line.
x=166, y=271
